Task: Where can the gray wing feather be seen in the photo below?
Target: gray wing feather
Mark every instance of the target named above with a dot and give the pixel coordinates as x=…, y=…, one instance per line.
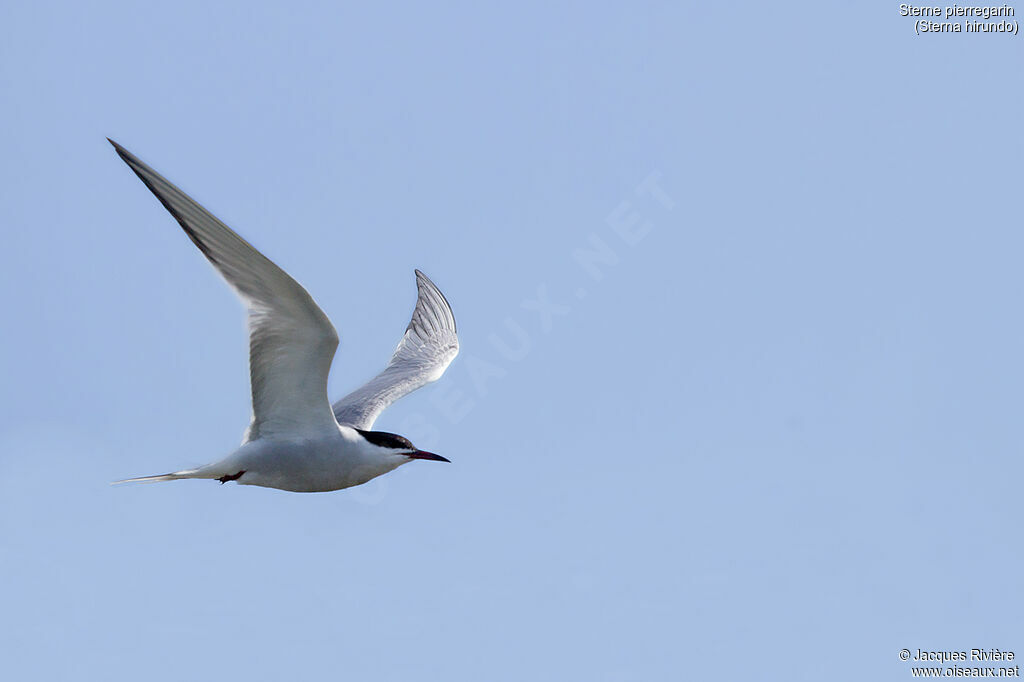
x=425, y=351
x=291, y=341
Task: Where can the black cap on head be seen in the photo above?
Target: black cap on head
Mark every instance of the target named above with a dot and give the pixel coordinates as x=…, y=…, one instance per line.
x=383, y=439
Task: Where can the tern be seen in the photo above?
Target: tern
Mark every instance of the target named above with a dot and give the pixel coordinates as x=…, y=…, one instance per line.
x=297, y=440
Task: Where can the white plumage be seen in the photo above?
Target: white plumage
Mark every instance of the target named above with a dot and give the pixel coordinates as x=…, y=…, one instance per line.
x=297, y=441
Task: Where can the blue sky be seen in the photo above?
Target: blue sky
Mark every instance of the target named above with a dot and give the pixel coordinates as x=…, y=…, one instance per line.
x=738, y=293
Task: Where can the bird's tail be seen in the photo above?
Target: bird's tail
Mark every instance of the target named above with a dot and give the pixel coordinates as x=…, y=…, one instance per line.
x=177, y=475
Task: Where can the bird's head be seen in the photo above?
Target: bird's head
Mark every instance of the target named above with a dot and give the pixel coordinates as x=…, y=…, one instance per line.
x=393, y=444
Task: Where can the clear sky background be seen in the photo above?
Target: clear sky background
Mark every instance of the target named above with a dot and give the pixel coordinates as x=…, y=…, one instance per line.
x=758, y=418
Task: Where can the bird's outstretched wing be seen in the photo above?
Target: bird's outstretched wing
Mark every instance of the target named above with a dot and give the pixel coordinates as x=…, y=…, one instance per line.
x=425, y=351
x=291, y=341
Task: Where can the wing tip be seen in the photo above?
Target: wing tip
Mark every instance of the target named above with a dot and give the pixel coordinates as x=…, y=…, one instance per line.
x=126, y=156
x=424, y=282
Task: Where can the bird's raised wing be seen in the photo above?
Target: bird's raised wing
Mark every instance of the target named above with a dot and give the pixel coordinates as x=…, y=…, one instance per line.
x=291, y=341
x=425, y=351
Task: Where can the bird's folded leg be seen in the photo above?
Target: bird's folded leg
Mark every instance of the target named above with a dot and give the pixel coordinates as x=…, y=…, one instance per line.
x=234, y=477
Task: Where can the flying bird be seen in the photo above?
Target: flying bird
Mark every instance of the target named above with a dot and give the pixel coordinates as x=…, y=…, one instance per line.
x=297, y=440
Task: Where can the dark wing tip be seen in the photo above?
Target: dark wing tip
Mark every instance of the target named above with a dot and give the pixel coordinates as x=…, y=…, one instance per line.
x=144, y=173
x=125, y=155
x=120, y=150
